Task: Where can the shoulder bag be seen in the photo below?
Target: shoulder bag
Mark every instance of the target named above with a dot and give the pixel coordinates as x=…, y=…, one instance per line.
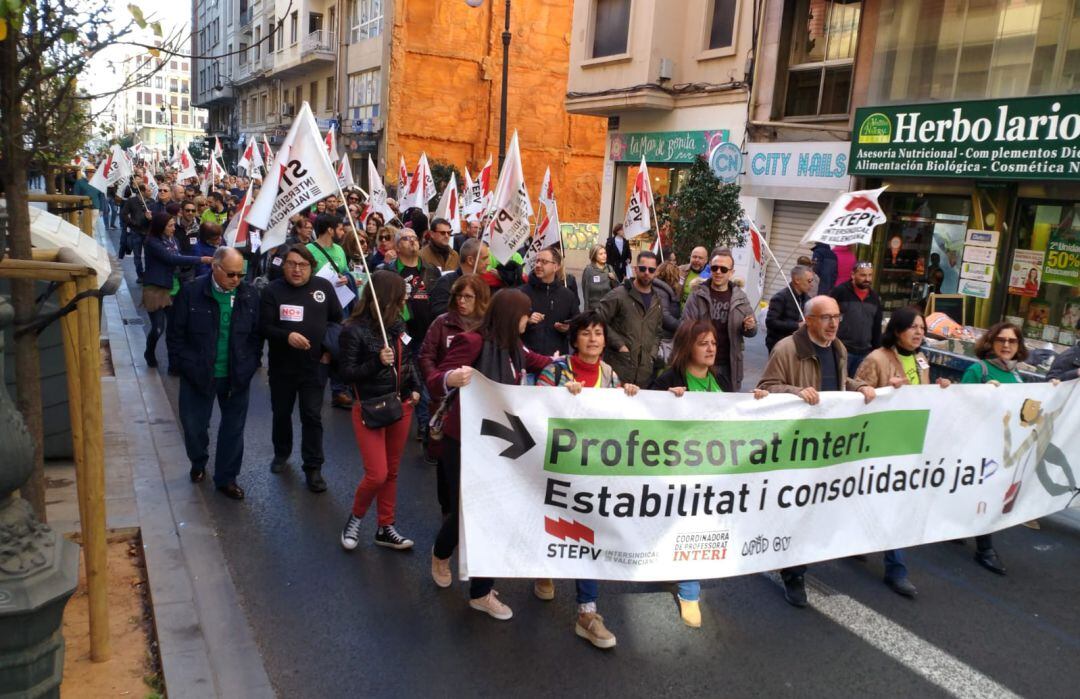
x=385, y=410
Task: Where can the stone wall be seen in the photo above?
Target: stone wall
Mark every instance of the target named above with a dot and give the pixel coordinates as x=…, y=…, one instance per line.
x=445, y=75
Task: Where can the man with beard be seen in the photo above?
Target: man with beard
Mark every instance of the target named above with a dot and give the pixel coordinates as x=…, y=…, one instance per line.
x=690, y=273
x=861, y=307
x=437, y=253
x=731, y=313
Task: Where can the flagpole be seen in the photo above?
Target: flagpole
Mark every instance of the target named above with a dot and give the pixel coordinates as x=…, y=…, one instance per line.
x=780, y=269
x=652, y=209
x=363, y=261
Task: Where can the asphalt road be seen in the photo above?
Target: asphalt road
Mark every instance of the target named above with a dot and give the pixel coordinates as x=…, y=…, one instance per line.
x=372, y=623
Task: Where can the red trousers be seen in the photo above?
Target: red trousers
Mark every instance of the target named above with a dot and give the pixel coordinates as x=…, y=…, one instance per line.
x=380, y=450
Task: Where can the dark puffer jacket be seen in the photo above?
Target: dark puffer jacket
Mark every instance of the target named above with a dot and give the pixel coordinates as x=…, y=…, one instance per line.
x=359, y=364
x=558, y=305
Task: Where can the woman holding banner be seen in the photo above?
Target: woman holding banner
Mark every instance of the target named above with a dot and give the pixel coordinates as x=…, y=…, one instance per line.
x=692, y=355
x=898, y=362
x=386, y=391
x=496, y=352
x=583, y=369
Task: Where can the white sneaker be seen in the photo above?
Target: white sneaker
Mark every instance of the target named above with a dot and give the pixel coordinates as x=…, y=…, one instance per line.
x=491, y=605
x=350, y=535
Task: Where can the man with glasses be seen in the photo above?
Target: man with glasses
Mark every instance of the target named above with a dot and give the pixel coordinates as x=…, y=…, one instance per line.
x=471, y=232
x=784, y=317
x=807, y=362
x=295, y=312
x=729, y=309
x=861, y=306
x=690, y=273
x=214, y=335
x=633, y=316
x=437, y=253
x=187, y=236
x=470, y=251
x=553, y=305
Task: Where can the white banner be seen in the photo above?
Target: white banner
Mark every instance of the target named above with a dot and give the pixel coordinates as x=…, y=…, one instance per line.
x=851, y=218
x=605, y=486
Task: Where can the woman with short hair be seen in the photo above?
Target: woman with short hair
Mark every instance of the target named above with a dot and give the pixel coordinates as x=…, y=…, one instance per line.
x=598, y=278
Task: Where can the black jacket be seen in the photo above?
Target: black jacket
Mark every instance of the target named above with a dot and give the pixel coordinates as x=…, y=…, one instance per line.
x=133, y=214
x=617, y=260
x=784, y=316
x=825, y=266
x=304, y=309
x=359, y=364
x=193, y=334
x=559, y=305
x=860, y=330
x=439, y=296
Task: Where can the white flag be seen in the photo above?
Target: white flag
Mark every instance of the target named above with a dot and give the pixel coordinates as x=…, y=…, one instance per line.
x=268, y=153
x=300, y=175
x=509, y=229
x=403, y=180
x=421, y=186
x=547, y=231
x=217, y=148
x=113, y=169
x=331, y=145
x=637, y=220
x=236, y=234
x=151, y=182
x=186, y=165
x=377, y=195
x=851, y=218
x=486, y=190
x=251, y=157
x=344, y=174
x=448, y=205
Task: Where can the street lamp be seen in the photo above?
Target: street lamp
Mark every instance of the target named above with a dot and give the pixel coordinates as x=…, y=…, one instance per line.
x=162, y=108
x=505, y=76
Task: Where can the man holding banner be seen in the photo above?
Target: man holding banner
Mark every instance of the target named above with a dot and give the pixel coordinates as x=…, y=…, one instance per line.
x=810, y=361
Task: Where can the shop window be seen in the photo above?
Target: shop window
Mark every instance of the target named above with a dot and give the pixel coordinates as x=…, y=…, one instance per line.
x=1044, y=274
x=824, y=35
x=667, y=180
x=364, y=89
x=721, y=24
x=611, y=27
x=975, y=49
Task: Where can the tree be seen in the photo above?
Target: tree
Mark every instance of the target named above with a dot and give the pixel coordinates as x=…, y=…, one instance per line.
x=57, y=139
x=705, y=212
x=440, y=172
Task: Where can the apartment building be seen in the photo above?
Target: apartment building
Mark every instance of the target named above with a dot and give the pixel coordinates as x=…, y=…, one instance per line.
x=159, y=112
x=213, y=23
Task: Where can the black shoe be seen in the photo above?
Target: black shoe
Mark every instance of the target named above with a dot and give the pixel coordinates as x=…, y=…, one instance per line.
x=795, y=591
x=315, y=482
x=279, y=465
x=197, y=475
x=231, y=491
x=989, y=559
x=151, y=360
x=388, y=536
x=421, y=434
x=902, y=587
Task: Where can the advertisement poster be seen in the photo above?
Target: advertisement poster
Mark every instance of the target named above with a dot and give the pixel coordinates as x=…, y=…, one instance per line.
x=946, y=252
x=1025, y=275
x=657, y=487
x=1062, y=264
x=974, y=287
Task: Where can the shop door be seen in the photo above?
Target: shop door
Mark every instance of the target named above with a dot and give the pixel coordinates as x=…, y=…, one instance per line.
x=791, y=220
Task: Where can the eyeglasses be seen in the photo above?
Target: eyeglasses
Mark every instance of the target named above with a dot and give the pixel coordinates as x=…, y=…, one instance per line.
x=410, y=238
x=720, y=268
x=1007, y=340
x=829, y=318
x=297, y=265
x=545, y=261
x=645, y=269
x=438, y=232
x=466, y=297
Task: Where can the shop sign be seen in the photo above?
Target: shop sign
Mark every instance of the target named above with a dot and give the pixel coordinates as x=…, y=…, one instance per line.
x=1025, y=274
x=821, y=165
x=725, y=160
x=1062, y=263
x=977, y=269
x=1034, y=138
x=987, y=239
x=665, y=146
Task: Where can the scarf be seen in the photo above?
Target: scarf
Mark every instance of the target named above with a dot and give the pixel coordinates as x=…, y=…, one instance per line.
x=499, y=364
x=1004, y=365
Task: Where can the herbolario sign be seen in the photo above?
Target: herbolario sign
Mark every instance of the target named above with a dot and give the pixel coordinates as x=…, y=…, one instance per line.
x=1034, y=138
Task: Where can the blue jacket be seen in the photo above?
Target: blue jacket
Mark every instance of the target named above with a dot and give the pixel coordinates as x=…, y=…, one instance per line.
x=202, y=249
x=825, y=266
x=97, y=197
x=162, y=260
x=193, y=335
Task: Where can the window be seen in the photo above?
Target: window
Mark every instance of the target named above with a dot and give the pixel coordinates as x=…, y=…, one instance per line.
x=365, y=19
x=184, y=119
x=611, y=27
x=313, y=95
x=148, y=116
x=294, y=24
x=1049, y=310
x=159, y=82
x=184, y=104
x=184, y=66
x=173, y=101
x=183, y=87
x=262, y=107
x=138, y=98
x=172, y=65
x=330, y=94
x=364, y=91
x=975, y=49
x=174, y=84
x=257, y=46
x=314, y=22
x=824, y=34
x=722, y=24
x=242, y=57
x=138, y=117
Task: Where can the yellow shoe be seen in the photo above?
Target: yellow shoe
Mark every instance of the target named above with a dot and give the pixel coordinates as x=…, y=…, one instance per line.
x=691, y=613
x=590, y=626
x=544, y=588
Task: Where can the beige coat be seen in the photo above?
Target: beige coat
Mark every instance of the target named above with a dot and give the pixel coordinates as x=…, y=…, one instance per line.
x=793, y=366
x=883, y=364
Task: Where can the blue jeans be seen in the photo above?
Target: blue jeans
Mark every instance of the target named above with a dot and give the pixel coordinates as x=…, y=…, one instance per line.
x=690, y=590
x=587, y=591
x=135, y=245
x=195, y=410
x=894, y=565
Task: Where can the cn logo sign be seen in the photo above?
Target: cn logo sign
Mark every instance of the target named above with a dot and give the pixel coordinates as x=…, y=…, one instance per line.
x=293, y=170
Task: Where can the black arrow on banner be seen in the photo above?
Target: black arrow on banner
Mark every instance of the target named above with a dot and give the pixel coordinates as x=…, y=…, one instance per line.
x=519, y=438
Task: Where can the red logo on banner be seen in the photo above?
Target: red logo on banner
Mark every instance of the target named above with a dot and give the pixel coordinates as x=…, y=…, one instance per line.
x=564, y=529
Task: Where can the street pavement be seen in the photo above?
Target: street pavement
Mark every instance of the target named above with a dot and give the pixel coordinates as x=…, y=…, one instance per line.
x=372, y=623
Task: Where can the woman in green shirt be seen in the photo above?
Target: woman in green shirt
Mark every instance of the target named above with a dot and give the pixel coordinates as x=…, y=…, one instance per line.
x=692, y=355
x=998, y=351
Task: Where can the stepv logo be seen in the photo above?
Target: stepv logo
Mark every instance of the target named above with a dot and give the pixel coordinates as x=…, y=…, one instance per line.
x=563, y=529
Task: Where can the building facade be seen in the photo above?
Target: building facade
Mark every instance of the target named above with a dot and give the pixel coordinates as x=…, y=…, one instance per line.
x=213, y=27
x=159, y=112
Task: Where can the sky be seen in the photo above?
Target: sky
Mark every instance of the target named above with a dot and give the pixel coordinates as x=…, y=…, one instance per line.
x=173, y=14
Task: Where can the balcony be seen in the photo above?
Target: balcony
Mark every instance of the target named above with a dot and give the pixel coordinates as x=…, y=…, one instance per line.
x=316, y=50
x=245, y=17
x=318, y=44
x=244, y=72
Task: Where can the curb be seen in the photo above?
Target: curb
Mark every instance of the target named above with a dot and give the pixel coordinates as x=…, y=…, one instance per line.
x=206, y=644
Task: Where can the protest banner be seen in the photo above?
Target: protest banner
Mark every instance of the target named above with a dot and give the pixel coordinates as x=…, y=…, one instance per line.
x=548, y=231
x=268, y=153
x=851, y=218
x=114, y=169
x=186, y=166
x=344, y=174
x=509, y=226
x=448, y=205
x=239, y=233
x=403, y=180
x=331, y=145
x=421, y=187
x=251, y=157
x=637, y=219
x=300, y=175
x=711, y=485
x=376, y=202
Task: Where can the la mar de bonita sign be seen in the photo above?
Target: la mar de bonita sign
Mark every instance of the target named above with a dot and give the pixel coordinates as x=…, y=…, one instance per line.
x=1034, y=138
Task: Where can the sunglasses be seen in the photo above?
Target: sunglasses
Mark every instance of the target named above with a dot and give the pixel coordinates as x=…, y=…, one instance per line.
x=386, y=237
x=645, y=268
x=720, y=268
x=189, y=211
x=233, y=275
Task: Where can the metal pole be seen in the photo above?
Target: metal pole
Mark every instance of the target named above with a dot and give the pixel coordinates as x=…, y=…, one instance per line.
x=505, y=79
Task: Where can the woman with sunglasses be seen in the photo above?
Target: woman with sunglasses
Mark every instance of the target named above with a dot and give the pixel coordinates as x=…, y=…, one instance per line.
x=693, y=358
x=495, y=350
x=998, y=351
x=898, y=362
x=385, y=251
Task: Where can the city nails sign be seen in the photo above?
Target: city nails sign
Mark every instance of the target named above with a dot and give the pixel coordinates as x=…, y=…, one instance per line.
x=1035, y=138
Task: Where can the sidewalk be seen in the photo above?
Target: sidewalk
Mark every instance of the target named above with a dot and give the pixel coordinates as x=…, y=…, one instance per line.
x=206, y=644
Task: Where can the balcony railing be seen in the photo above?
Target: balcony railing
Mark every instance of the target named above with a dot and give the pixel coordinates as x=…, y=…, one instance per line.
x=321, y=41
x=244, y=70
x=245, y=17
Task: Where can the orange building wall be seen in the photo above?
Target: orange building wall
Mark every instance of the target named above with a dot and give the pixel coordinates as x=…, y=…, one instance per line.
x=444, y=88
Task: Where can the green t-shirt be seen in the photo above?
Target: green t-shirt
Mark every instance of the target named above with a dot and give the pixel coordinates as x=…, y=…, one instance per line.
x=175, y=286
x=210, y=216
x=225, y=304
x=911, y=368
x=974, y=374
x=688, y=285
x=707, y=384
x=336, y=253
